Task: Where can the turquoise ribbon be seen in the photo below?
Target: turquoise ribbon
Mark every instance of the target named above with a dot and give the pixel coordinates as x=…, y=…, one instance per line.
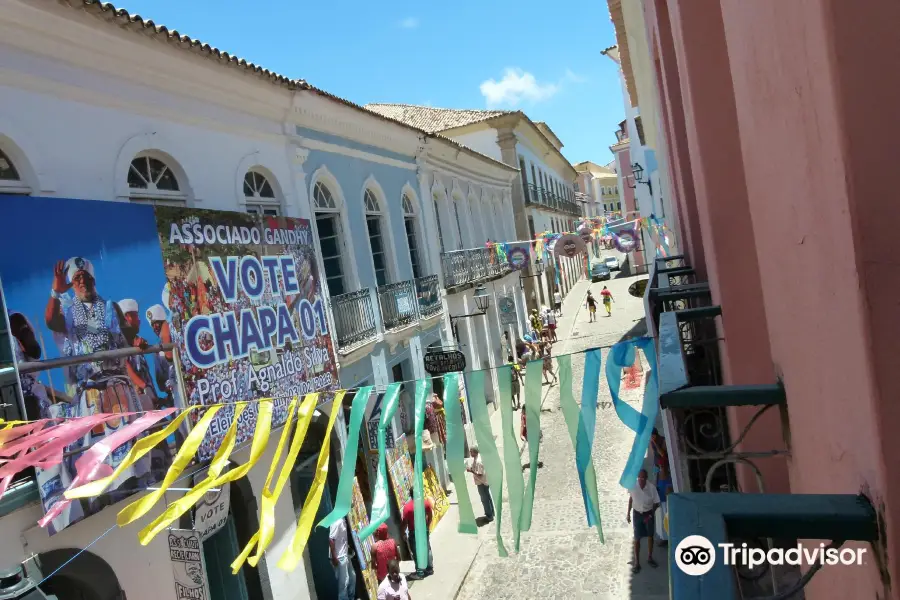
x=348, y=468
x=381, y=508
x=588, y=478
x=533, y=388
x=487, y=447
x=455, y=451
x=423, y=391
x=587, y=420
x=621, y=356
x=515, y=482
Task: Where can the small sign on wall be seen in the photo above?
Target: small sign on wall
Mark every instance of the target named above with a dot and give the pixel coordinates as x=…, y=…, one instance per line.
x=186, y=555
x=211, y=511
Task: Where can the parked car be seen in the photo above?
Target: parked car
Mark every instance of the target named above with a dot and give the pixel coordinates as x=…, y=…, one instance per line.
x=612, y=263
x=599, y=272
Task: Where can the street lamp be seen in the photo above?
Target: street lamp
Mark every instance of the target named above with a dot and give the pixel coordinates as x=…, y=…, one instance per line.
x=638, y=171
x=482, y=303
x=538, y=271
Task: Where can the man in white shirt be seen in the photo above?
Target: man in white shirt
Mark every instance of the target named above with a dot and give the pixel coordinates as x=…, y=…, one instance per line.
x=340, y=559
x=643, y=500
x=557, y=302
x=476, y=468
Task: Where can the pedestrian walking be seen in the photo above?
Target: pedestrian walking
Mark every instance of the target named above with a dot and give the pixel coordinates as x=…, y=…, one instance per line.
x=409, y=520
x=551, y=326
x=545, y=324
x=340, y=560
x=505, y=347
x=557, y=303
x=607, y=300
x=476, y=467
x=546, y=352
x=643, y=500
x=591, y=304
x=515, y=372
x=394, y=585
x=383, y=551
x=536, y=323
x=660, y=453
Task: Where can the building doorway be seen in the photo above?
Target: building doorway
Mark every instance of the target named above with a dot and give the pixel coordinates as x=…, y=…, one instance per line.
x=88, y=577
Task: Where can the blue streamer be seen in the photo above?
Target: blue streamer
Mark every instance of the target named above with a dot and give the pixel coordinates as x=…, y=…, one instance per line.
x=620, y=356
x=587, y=421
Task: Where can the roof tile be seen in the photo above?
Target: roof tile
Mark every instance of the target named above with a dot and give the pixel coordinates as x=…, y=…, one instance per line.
x=433, y=119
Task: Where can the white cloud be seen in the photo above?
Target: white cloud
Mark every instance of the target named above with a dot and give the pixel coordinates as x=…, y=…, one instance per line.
x=516, y=86
x=409, y=23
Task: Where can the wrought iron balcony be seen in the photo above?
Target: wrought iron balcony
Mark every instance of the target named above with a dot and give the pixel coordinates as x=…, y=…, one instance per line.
x=355, y=322
x=468, y=267
x=428, y=292
x=540, y=196
x=703, y=456
x=399, y=304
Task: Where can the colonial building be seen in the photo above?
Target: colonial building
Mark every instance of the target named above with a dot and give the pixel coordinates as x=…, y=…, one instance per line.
x=776, y=320
x=86, y=114
x=543, y=197
x=600, y=186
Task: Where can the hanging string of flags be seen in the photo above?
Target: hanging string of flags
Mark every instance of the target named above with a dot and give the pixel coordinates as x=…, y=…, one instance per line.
x=41, y=443
x=611, y=231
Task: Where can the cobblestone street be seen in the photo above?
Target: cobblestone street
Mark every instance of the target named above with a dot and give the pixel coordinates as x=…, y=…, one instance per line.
x=560, y=556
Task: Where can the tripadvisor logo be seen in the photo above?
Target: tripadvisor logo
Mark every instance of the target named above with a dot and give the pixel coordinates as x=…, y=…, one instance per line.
x=695, y=555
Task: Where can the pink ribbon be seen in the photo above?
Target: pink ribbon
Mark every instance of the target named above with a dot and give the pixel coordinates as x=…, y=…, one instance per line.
x=90, y=466
x=9, y=435
x=51, y=453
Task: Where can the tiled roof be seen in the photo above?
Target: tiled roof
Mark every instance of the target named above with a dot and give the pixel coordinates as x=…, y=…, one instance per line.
x=122, y=18
x=433, y=119
x=126, y=20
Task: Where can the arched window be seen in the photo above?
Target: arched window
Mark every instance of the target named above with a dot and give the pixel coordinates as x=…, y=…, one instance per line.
x=151, y=180
x=409, y=221
x=259, y=196
x=331, y=242
x=10, y=180
x=458, y=222
x=376, y=237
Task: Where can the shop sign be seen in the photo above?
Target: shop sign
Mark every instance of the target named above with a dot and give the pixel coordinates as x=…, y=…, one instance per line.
x=186, y=555
x=507, y=308
x=439, y=363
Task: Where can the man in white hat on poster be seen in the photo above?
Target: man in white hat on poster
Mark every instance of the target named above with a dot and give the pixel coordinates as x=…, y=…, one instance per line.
x=166, y=377
x=138, y=368
x=84, y=323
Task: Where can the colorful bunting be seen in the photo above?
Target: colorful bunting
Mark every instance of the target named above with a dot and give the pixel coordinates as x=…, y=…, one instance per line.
x=456, y=442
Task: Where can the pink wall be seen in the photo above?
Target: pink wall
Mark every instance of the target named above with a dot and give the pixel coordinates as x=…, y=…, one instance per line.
x=825, y=233
x=818, y=134
x=717, y=170
x=672, y=114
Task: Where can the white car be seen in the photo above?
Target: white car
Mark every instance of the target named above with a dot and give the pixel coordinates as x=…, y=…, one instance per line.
x=612, y=263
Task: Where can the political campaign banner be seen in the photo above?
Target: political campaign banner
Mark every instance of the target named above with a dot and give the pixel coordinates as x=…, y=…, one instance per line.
x=244, y=306
x=117, y=307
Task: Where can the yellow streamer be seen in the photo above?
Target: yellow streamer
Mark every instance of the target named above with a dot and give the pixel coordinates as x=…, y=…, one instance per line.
x=142, y=447
x=257, y=448
x=294, y=554
x=183, y=458
x=262, y=538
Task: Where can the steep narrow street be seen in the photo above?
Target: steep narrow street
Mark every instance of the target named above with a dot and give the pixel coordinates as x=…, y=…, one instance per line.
x=560, y=556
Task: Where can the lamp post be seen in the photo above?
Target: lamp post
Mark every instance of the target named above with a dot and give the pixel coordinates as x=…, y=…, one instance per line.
x=638, y=171
x=482, y=303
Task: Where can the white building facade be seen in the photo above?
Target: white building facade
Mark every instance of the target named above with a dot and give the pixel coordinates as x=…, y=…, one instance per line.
x=85, y=114
x=543, y=196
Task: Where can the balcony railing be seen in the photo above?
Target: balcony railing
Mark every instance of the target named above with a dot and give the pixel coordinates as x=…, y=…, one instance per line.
x=540, y=196
x=428, y=292
x=399, y=304
x=463, y=267
x=703, y=455
x=354, y=319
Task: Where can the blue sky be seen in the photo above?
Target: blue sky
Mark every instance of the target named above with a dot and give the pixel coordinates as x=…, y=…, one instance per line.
x=542, y=57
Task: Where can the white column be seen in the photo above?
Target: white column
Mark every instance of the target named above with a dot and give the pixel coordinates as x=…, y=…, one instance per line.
x=300, y=207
